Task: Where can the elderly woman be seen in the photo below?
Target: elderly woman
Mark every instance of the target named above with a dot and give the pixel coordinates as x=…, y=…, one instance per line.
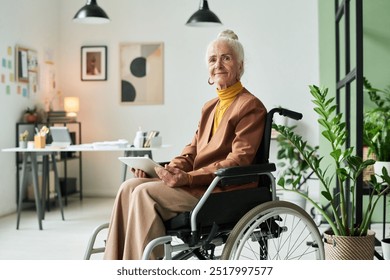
x=228, y=134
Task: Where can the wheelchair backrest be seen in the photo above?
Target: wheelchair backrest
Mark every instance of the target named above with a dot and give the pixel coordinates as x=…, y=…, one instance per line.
x=262, y=155
x=241, y=201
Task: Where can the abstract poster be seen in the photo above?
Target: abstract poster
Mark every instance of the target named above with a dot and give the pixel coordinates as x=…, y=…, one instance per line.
x=141, y=73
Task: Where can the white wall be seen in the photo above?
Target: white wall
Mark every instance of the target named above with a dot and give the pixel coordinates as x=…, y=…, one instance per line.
x=280, y=39
x=281, y=43
x=29, y=24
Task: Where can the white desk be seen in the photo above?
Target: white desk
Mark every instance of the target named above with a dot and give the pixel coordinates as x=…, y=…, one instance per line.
x=49, y=151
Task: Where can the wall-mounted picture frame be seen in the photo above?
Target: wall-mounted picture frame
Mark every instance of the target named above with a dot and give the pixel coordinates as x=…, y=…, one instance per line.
x=32, y=60
x=94, y=63
x=21, y=64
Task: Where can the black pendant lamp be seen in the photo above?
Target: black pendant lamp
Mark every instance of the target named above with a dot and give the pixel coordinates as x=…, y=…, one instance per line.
x=91, y=13
x=203, y=17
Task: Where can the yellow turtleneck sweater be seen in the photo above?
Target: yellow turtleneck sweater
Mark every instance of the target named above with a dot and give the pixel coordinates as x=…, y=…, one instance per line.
x=226, y=98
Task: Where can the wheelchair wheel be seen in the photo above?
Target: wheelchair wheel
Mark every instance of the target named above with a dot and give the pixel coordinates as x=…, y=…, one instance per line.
x=275, y=230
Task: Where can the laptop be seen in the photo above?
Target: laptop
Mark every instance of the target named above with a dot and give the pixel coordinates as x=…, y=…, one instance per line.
x=60, y=136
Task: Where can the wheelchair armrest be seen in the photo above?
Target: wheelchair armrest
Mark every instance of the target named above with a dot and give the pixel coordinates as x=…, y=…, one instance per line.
x=254, y=169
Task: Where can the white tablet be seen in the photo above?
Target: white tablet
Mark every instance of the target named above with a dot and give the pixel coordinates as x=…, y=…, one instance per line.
x=144, y=163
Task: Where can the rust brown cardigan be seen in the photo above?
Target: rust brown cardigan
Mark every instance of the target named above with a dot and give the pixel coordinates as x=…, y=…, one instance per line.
x=234, y=143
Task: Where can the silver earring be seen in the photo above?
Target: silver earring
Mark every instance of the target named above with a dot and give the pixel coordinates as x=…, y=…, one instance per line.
x=210, y=83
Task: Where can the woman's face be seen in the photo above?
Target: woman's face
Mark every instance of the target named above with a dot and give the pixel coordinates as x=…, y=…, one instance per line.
x=223, y=66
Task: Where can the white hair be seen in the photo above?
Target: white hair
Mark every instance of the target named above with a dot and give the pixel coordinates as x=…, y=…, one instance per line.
x=231, y=39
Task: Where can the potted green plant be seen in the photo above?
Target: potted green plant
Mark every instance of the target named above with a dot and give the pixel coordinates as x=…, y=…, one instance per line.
x=345, y=169
x=293, y=171
x=30, y=115
x=377, y=127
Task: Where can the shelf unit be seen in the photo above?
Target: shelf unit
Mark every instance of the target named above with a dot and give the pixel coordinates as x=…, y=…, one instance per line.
x=349, y=87
x=75, y=130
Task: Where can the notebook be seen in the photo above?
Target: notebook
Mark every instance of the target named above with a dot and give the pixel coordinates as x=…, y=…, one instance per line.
x=60, y=136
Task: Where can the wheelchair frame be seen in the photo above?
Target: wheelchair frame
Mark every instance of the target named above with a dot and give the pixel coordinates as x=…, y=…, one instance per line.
x=267, y=216
x=166, y=240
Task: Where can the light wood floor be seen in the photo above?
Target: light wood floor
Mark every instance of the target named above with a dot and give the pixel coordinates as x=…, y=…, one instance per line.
x=64, y=240
x=59, y=240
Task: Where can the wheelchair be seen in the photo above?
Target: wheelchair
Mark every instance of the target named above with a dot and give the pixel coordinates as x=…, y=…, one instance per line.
x=247, y=224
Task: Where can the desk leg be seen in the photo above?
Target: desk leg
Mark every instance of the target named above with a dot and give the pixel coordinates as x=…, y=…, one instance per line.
x=45, y=185
x=57, y=184
x=34, y=171
x=65, y=179
x=22, y=187
x=81, y=175
x=126, y=154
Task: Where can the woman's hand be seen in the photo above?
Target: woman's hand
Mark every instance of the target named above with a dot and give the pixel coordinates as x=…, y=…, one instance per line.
x=138, y=173
x=171, y=176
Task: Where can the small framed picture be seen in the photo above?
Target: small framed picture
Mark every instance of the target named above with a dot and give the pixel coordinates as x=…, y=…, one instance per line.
x=21, y=61
x=93, y=63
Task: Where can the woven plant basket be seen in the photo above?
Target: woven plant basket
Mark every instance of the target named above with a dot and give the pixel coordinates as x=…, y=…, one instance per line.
x=349, y=247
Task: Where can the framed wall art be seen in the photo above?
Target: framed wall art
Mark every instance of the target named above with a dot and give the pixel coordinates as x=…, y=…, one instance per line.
x=142, y=73
x=32, y=66
x=21, y=64
x=26, y=70
x=93, y=63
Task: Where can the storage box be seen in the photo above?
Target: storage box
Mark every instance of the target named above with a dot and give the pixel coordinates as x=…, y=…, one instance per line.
x=30, y=187
x=70, y=186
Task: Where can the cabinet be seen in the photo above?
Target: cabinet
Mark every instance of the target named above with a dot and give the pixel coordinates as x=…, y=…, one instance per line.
x=63, y=157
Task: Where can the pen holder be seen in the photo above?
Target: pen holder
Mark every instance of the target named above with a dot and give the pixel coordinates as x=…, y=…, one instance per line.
x=39, y=141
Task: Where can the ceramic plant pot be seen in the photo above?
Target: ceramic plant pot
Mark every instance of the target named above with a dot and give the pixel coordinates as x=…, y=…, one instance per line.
x=23, y=144
x=386, y=248
x=378, y=166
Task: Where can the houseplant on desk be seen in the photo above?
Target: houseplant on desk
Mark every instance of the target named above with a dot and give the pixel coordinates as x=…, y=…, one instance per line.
x=23, y=137
x=345, y=170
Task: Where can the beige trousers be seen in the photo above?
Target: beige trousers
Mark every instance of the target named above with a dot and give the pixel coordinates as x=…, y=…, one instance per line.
x=140, y=208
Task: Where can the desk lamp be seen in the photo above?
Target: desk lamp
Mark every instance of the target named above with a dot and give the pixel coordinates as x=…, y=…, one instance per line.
x=71, y=106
